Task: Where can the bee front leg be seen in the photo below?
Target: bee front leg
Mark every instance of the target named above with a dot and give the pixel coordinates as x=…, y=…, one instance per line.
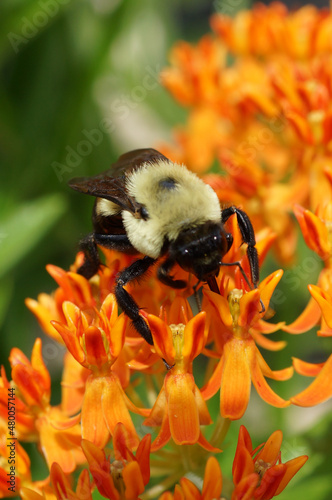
x=125, y=300
x=166, y=278
x=248, y=236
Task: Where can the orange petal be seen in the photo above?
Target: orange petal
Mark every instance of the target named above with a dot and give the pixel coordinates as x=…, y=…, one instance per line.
x=250, y=307
x=214, y=382
x=60, y=446
x=71, y=341
x=307, y=369
x=270, y=482
x=263, y=389
x=317, y=238
x=95, y=348
x=29, y=385
x=245, y=489
x=324, y=300
x=83, y=488
x=162, y=338
x=235, y=383
x=300, y=125
x=319, y=390
x=158, y=411
x=94, y=427
x=293, y=466
x=114, y=409
x=83, y=286
x=270, y=451
x=60, y=483
x=204, y=443
x=307, y=319
x=182, y=410
x=45, y=311
x=164, y=434
x=284, y=374
x=243, y=464
x=266, y=328
x=73, y=381
x=194, y=337
x=117, y=335
x=143, y=457
x=121, y=444
x=268, y=285
x=133, y=480
x=190, y=491
x=38, y=365
x=221, y=306
x=99, y=467
x=204, y=415
x=266, y=343
x=212, y=484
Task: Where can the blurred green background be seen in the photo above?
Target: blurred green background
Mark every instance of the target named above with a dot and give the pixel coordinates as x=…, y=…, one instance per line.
x=79, y=86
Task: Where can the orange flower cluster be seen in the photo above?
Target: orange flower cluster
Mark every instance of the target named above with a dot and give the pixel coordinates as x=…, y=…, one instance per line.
x=134, y=420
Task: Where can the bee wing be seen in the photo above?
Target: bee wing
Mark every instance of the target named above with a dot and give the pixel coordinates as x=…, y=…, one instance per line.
x=132, y=160
x=111, y=184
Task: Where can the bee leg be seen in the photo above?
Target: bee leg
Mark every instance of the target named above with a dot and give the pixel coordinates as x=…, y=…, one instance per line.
x=125, y=300
x=164, y=276
x=89, y=244
x=118, y=242
x=248, y=236
x=91, y=262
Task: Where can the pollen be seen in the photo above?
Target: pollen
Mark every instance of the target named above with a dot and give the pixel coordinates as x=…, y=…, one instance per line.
x=178, y=339
x=234, y=304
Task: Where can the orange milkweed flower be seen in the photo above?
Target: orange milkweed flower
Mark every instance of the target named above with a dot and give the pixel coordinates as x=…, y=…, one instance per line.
x=259, y=474
x=212, y=485
x=317, y=235
x=195, y=76
x=15, y=470
x=125, y=475
x=61, y=487
x=85, y=294
x=57, y=435
x=320, y=389
x=179, y=409
x=299, y=34
x=235, y=319
x=316, y=230
x=96, y=345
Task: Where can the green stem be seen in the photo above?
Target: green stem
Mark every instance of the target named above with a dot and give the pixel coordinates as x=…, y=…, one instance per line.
x=158, y=489
x=220, y=431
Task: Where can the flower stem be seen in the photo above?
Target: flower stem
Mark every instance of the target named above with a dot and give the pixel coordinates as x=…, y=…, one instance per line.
x=220, y=431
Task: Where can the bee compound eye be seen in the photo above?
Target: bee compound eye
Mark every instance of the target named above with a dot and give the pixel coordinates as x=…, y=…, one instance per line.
x=229, y=239
x=144, y=213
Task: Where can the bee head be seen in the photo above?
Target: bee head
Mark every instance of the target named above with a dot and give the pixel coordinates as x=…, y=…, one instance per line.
x=200, y=249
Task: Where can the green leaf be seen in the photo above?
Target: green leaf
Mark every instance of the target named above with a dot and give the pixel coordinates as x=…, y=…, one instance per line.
x=25, y=227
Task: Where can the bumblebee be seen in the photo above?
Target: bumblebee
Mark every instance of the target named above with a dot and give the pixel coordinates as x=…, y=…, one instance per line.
x=146, y=204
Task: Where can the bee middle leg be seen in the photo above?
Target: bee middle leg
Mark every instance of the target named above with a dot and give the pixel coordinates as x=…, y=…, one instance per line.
x=89, y=247
x=125, y=300
x=91, y=262
x=166, y=278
